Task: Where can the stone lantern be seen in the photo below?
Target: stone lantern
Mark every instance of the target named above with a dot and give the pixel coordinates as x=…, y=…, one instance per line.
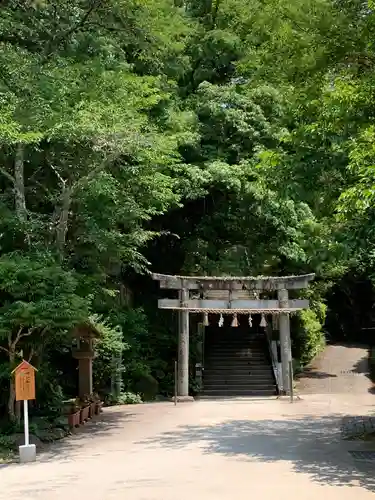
x=85, y=335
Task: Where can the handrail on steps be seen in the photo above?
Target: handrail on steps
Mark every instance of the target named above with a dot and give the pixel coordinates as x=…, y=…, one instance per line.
x=273, y=359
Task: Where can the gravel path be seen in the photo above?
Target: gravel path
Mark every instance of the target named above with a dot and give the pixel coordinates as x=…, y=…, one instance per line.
x=339, y=369
x=207, y=450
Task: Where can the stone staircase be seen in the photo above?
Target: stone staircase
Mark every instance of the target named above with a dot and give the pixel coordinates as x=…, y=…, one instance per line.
x=237, y=364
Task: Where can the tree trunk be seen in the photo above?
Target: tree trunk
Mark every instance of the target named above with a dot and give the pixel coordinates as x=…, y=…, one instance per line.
x=19, y=184
x=215, y=12
x=12, y=389
x=62, y=225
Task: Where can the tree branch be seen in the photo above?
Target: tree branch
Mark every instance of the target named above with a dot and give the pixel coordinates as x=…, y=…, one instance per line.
x=19, y=183
x=4, y=349
x=28, y=333
x=92, y=173
x=63, y=181
x=31, y=354
x=95, y=4
x=215, y=13
x=7, y=175
x=17, y=339
x=44, y=188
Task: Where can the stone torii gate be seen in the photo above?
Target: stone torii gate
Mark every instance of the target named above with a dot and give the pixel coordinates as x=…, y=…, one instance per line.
x=232, y=295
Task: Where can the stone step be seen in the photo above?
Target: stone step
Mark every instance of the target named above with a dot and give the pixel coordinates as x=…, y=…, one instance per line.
x=242, y=345
x=238, y=357
x=236, y=345
x=255, y=371
x=240, y=392
x=238, y=366
x=248, y=379
x=238, y=340
x=251, y=370
x=228, y=371
x=239, y=389
x=238, y=363
x=236, y=352
x=212, y=377
x=256, y=384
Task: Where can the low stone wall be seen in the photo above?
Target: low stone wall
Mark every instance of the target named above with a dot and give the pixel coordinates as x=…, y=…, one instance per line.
x=357, y=427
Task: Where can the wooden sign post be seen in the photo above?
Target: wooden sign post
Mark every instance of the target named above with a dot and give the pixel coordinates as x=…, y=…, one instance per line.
x=25, y=391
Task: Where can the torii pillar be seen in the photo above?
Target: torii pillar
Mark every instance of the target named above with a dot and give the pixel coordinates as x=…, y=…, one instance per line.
x=285, y=341
x=183, y=349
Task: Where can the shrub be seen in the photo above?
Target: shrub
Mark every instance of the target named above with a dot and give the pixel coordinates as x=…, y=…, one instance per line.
x=308, y=339
x=7, y=442
x=129, y=398
x=125, y=398
x=109, y=348
x=148, y=386
x=297, y=367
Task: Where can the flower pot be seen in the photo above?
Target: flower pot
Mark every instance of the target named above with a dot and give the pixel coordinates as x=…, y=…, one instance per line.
x=99, y=407
x=74, y=419
x=92, y=409
x=96, y=410
x=85, y=413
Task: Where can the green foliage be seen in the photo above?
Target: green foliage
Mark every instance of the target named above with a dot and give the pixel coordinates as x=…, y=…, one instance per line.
x=308, y=336
x=31, y=287
x=6, y=443
x=125, y=398
x=147, y=386
x=109, y=348
x=7, y=448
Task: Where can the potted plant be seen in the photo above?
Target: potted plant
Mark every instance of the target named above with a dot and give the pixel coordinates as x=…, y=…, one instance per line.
x=99, y=407
x=97, y=402
x=85, y=409
x=94, y=398
x=73, y=413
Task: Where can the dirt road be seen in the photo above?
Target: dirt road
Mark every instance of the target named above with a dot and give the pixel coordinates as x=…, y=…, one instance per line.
x=209, y=450
x=340, y=369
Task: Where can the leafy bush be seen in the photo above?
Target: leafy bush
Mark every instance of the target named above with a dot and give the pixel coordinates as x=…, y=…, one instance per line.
x=7, y=442
x=129, y=398
x=109, y=348
x=297, y=367
x=148, y=386
x=308, y=339
x=125, y=398
x=50, y=395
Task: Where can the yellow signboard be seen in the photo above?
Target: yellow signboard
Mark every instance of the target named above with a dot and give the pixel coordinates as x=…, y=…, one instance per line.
x=25, y=381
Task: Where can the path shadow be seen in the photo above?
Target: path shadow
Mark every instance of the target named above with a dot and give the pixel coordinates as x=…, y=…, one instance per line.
x=362, y=366
x=313, y=446
x=310, y=372
x=234, y=399
x=99, y=427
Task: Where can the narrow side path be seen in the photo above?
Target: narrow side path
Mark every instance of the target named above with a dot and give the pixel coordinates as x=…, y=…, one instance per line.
x=339, y=369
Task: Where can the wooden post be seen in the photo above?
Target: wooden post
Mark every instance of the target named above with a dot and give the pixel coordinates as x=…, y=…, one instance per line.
x=175, y=383
x=183, y=348
x=285, y=343
x=85, y=377
x=25, y=391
